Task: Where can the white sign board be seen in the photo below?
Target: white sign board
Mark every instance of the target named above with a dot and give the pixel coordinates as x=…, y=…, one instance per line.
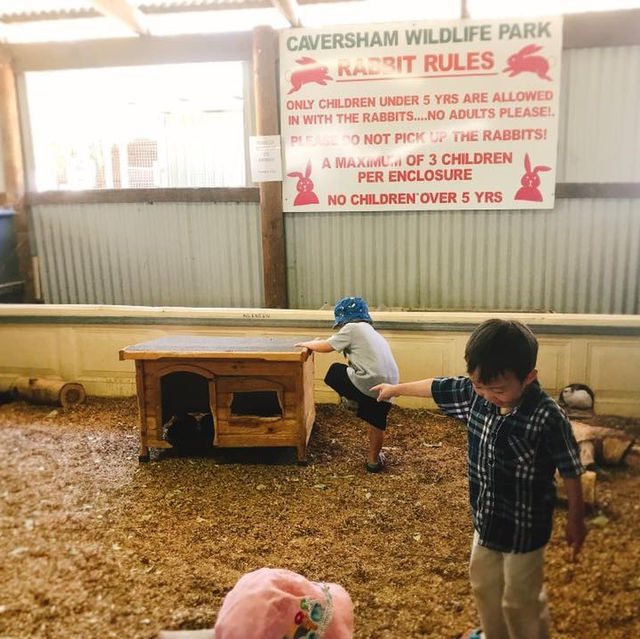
x=446, y=115
x=266, y=160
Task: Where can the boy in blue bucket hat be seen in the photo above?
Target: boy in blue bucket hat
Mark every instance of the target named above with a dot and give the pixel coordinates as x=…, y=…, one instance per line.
x=369, y=362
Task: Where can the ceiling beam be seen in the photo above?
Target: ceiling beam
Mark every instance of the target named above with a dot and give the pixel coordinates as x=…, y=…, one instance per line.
x=290, y=10
x=125, y=13
x=118, y=52
x=147, y=9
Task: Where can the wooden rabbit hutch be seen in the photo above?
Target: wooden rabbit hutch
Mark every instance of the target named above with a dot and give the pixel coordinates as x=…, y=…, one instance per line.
x=259, y=390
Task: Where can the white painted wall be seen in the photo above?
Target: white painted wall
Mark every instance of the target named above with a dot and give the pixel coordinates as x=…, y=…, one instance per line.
x=81, y=343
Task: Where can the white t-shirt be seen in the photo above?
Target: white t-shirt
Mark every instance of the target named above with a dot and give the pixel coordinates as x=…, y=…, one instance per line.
x=370, y=359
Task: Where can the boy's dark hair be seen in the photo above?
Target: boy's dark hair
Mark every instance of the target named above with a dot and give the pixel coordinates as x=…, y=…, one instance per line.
x=498, y=346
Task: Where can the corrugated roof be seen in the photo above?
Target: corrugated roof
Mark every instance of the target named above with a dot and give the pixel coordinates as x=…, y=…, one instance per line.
x=31, y=10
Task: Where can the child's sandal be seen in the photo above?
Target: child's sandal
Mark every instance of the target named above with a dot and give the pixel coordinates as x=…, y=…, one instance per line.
x=476, y=633
x=378, y=466
x=350, y=404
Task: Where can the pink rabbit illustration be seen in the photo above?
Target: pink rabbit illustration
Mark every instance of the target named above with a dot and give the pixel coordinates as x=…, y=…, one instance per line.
x=304, y=187
x=523, y=60
x=311, y=73
x=530, y=182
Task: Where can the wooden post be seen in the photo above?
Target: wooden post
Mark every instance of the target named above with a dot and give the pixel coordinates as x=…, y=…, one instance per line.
x=272, y=221
x=13, y=166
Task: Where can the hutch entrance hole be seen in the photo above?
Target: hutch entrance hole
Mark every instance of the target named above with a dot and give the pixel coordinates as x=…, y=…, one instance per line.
x=183, y=392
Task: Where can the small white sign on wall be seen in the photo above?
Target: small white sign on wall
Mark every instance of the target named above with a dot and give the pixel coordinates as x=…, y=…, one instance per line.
x=266, y=159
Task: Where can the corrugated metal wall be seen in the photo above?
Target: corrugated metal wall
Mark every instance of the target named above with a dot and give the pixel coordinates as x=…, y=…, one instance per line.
x=163, y=254
x=580, y=257
x=599, y=128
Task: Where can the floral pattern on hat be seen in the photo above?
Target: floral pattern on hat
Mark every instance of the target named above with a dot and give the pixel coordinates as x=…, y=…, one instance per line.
x=350, y=309
x=313, y=617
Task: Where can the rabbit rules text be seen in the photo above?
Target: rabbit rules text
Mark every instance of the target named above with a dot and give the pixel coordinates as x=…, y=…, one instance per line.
x=524, y=30
x=431, y=115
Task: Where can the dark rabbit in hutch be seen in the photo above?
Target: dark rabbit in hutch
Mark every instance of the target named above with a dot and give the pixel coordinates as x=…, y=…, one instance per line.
x=188, y=433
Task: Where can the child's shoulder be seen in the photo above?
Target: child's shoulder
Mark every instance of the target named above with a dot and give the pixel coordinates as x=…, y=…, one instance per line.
x=546, y=406
x=357, y=325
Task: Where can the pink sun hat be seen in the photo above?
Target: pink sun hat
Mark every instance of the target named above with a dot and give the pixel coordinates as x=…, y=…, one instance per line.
x=274, y=603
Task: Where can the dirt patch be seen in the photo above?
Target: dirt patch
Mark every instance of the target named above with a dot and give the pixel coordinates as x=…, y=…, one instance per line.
x=95, y=544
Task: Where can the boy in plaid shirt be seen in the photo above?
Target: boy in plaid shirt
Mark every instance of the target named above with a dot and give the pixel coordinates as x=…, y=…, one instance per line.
x=516, y=437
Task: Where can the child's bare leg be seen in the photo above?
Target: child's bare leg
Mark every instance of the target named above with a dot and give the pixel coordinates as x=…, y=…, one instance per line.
x=375, y=444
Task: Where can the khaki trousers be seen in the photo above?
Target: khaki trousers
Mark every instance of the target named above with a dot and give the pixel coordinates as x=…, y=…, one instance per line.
x=508, y=592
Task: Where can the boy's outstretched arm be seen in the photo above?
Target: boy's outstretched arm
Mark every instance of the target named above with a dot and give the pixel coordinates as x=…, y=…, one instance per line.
x=419, y=388
x=575, y=531
x=318, y=345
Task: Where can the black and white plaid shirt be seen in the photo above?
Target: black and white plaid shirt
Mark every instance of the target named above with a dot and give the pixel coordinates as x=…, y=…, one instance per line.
x=511, y=460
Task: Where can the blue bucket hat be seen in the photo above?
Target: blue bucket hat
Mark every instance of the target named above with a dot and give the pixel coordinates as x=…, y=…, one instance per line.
x=349, y=309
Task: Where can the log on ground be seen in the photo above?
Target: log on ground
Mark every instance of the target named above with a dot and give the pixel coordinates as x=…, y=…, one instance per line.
x=601, y=445
x=49, y=391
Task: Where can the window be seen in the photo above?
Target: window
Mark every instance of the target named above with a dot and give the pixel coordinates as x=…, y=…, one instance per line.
x=260, y=403
x=179, y=125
